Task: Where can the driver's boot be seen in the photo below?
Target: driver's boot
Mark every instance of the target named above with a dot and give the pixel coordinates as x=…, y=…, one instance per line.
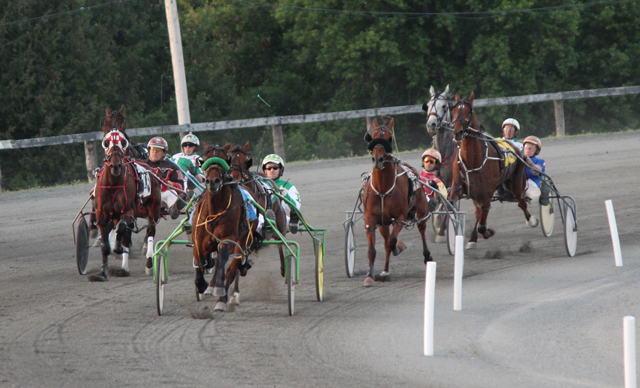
x=544, y=193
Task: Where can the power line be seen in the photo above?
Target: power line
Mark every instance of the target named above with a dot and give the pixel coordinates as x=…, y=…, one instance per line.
x=60, y=14
x=460, y=15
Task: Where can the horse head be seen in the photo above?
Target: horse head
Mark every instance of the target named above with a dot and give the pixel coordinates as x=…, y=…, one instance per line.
x=437, y=109
x=464, y=117
x=240, y=161
x=115, y=146
x=216, y=173
x=380, y=142
x=115, y=121
x=214, y=151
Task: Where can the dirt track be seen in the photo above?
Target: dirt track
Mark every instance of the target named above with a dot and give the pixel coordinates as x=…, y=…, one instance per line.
x=534, y=319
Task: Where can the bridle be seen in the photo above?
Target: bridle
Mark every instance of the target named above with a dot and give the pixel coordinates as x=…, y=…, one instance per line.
x=441, y=123
x=249, y=162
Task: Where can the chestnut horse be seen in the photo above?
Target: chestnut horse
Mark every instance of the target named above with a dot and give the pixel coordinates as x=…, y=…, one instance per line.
x=387, y=200
x=479, y=169
x=440, y=126
x=115, y=195
x=220, y=225
x=240, y=162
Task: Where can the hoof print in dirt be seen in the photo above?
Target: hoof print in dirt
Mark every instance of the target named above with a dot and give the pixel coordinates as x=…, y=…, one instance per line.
x=526, y=247
x=97, y=278
x=494, y=255
x=119, y=272
x=201, y=313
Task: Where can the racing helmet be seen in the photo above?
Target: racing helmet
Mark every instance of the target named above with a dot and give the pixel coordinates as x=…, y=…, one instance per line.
x=190, y=138
x=273, y=158
x=533, y=140
x=433, y=153
x=158, y=142
x=513, y=122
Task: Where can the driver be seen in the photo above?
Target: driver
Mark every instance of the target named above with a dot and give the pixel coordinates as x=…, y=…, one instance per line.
x=188, y=160
x=511, y=129
x=534, y=191
x=431, y=158
x=169, y=172
x=273, y=167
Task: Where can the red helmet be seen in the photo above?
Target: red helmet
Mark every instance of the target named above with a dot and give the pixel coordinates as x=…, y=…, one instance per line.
x=158, y=142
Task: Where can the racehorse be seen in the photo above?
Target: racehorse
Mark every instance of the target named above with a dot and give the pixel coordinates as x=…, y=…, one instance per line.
x=220, y=224
x=439, y=126
x=480, y=168
x=240, y=162
x=388, y=201
x=115, y=200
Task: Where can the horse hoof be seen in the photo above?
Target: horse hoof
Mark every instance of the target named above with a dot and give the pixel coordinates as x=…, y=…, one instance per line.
x=208, y=270
x=441, y=239
x=368, y=282
x=235, y=299
x=472, y=245
x=489, y=233
x=384, y=274
x=148, y=271
x=533, y=222
x=219, y=291
x=400, y=247
x=98, y=242
x=428, y=259
x=220, y=306
x=208, y=291
x=93, y=233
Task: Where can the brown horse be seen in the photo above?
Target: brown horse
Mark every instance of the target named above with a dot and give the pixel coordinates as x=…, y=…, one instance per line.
x=240, y=162
x=387, y=200
x=220, y=225
x=481, y=168
x=115, y=195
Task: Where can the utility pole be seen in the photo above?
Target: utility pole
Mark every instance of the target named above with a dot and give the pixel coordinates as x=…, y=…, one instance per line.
x=182, y=98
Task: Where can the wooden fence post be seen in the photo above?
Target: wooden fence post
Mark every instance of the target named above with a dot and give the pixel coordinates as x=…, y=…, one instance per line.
x=278, y=141
x=559, y=109
x=369, y=121
x=91, y=159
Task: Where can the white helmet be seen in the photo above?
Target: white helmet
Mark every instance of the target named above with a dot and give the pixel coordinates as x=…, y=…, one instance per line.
x=513, y=122
x=190, y=138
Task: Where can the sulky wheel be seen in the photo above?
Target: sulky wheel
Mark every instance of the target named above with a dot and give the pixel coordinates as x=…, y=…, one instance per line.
x=82, y=246
x=570, y=230
x=161, y=280
x=291, y=276
x=349, y=249
x=319, y=251
x=547, y=218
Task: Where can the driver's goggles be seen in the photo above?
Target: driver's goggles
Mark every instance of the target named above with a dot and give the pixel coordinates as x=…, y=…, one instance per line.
x=429, y=160
x=156, y=149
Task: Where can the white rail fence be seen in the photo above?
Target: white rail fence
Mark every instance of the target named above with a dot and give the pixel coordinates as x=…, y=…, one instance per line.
x=276, y=123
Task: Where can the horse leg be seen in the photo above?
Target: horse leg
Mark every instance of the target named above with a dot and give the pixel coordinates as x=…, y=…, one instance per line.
x=441, y=237
x=216, y=286
x=281, y=253
x=126, y=242
x=371, y=240
x=121, y=229
x=473, y=240
x=235, y=299
x=384, y=232
x=201, y=284
x=221, y=304
x=482, y=226
x=422, y=228
x=105, y=249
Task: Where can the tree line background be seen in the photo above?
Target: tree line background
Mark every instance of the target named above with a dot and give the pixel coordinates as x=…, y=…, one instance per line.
x=57, y=74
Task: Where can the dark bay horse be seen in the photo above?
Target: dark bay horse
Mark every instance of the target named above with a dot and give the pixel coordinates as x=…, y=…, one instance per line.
x=115, y=200
x=440, y=127
x=240, y=163
x=388, y=201
x=220, y=225
x=480, y=168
